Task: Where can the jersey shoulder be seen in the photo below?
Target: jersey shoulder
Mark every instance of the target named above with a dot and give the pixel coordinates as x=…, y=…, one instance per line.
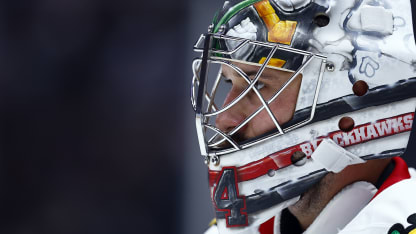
x=391, y=210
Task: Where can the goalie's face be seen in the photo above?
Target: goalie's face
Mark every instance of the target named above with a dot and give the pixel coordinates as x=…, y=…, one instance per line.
x=269, y=83
x=240, y=103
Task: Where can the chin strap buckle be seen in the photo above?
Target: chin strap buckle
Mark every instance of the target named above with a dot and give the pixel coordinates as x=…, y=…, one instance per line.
x=333, y=157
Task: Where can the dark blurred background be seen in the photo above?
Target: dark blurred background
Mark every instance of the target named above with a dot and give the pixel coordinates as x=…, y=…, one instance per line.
x=95, y=117
x=97, y=132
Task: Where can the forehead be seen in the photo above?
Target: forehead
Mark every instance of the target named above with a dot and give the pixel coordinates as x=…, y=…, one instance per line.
x=251, y=70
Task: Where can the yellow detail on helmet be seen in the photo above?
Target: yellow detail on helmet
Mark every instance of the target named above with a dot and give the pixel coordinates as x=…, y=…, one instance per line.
x=279, y=31
x=274, y=62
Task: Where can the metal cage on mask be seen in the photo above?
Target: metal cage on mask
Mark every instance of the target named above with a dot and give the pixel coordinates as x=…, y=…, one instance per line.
x=203, y=99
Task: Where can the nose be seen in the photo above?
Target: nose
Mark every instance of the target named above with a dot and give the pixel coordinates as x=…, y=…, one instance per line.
x=232, y=117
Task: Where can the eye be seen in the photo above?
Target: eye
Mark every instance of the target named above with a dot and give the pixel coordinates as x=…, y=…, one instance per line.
x=225, y=79
x=259, y=85
x=228, y=81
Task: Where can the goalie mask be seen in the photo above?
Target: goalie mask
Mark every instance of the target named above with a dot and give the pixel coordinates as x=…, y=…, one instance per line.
x=288, y=91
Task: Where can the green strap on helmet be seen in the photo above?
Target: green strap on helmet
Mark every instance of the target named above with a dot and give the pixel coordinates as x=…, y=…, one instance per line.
x=233, y=11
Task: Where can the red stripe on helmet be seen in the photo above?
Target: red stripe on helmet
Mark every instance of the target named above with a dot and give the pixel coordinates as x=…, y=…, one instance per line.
x=359, y=134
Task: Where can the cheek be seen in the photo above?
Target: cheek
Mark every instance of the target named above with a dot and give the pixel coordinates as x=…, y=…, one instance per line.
x=287, y=103
x=283, y=108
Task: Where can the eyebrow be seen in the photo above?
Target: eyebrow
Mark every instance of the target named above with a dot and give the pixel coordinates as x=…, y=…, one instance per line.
x=250, y=73
x=263, y=76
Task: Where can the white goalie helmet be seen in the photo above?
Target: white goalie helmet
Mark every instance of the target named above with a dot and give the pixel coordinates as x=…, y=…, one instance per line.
x=286, y=91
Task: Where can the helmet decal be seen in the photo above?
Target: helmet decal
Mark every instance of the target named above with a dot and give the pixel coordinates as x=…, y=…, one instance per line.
x=278, y=31
x=229, y=204
x=247, y=30
x=360, y=134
